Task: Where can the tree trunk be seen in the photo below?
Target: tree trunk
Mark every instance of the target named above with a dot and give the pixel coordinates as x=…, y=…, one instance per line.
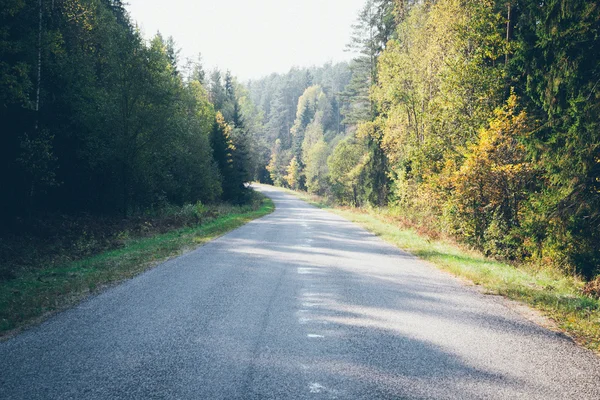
x=508, y=29
x=39, y=65
x=125, y=177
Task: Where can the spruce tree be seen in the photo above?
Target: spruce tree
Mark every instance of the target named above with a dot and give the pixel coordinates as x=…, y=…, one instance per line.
x=558, y=65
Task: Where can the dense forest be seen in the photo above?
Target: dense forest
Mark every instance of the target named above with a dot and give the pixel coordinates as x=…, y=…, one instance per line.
x=478, y=119
x=97, y=120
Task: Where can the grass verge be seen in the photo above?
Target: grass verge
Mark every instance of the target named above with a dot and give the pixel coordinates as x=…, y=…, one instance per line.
x=559, y=297
x=33, y=295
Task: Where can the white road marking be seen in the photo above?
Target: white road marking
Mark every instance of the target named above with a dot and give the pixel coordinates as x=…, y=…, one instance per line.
x=308, y=270
x=316, y=388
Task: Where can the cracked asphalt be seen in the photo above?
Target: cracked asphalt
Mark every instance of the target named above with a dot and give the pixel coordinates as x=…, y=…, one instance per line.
x=300, y=304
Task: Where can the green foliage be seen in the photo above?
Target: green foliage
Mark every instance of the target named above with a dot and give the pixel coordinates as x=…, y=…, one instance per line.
x=476, y=119
x=233, y=148
x=223, y=150
x=557, y=64
x=38, y=160
x=439, y=83
x=520, y=182
x=280, y=159
x=316, y=170
x=97, y=120
x=287, y=108
x=52, y=280
x=308, y=104
x=373, y=29
x=346, y=168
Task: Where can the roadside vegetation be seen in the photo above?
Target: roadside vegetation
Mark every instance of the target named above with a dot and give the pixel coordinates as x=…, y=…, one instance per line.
x=473, y=121
x=54, y=273
x=562, y=298
x=468, y=121
x=106, y=136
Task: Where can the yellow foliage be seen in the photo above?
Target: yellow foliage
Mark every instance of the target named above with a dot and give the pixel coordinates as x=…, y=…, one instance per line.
x=293, y=174
x=495, y=173
x=435, y=88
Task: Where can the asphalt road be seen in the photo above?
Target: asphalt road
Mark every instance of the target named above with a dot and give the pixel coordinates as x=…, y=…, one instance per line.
x=301, y=304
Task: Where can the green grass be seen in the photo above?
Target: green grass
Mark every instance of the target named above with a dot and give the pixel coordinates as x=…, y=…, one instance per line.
x=558, y=296
x=36, y=294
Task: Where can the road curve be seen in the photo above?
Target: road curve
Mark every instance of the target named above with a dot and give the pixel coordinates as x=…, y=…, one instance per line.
x=300, y=304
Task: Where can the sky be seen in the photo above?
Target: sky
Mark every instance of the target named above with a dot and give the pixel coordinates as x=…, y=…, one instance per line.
x=252, y=38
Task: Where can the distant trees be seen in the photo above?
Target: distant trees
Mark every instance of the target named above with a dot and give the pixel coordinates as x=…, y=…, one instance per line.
x=316, y=171
x=346, y=169
x=298, y=111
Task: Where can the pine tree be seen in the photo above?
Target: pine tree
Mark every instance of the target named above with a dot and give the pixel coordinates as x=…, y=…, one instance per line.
x=243, y=149
x=558, y=64
x=216, y=92
x=374, y=28
x=229, y=88
x=197, y=71
x=223, y=148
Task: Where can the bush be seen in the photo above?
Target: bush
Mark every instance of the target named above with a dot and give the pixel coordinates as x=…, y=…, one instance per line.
x=501, y=241
x=592, y=288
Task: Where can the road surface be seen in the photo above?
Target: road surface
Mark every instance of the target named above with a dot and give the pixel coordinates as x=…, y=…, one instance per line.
x=301, y=304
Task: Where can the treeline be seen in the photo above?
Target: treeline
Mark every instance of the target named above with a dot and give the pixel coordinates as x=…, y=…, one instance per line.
x=284, y=108
x=95, y=119
x=476, y=118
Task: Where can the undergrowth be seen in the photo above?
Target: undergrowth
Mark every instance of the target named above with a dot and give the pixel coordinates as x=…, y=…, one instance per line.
x=38, y=288
x=565, y=299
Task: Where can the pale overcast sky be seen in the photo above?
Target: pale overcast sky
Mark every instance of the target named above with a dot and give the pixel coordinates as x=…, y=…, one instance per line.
x=252, y=38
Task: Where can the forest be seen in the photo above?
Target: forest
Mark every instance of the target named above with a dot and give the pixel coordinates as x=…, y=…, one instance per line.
x=96, y=119
x=477, y=119
x=105, y=132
